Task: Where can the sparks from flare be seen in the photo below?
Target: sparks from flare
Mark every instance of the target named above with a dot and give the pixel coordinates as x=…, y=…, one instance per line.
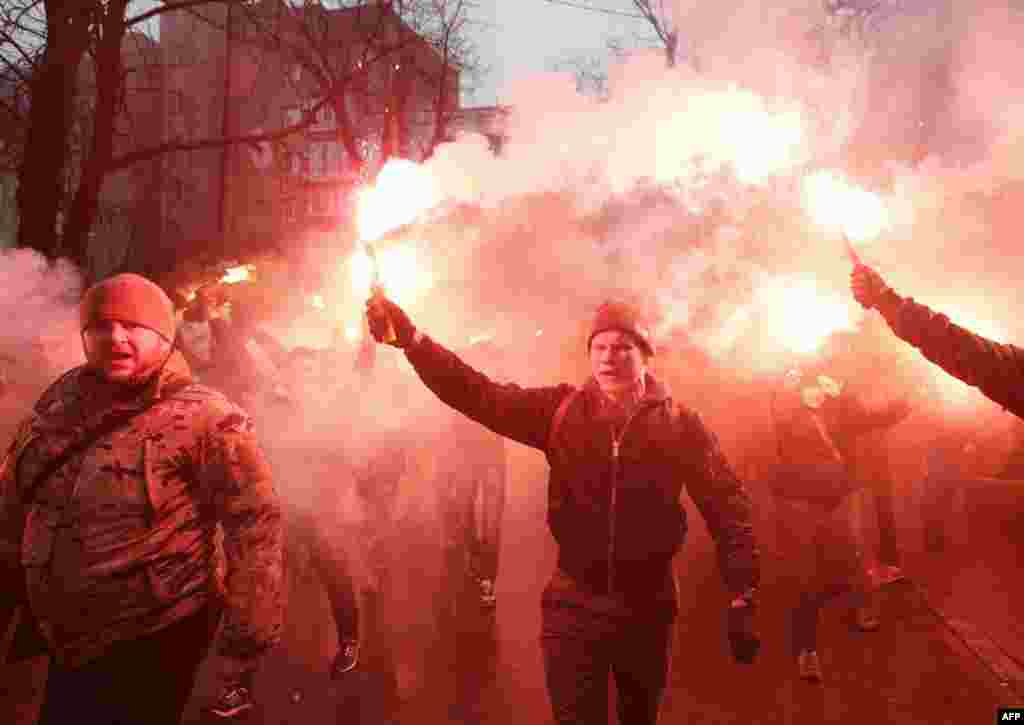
x=834, y=203
x=402, y=192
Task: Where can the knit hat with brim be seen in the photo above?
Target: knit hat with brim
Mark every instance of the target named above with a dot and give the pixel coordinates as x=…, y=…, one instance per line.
x=129, y=298
x=625, y=318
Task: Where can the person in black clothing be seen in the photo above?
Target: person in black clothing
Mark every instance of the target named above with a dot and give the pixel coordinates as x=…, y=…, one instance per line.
x=471, y=480
x=620, y=451
x=817, y=420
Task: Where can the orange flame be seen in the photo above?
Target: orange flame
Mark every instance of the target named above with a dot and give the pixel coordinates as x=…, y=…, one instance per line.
x=234, y=275
x=834, y=203
x=406, y=270
x=402, y=192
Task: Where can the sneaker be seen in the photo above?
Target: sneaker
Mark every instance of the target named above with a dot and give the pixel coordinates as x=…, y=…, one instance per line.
x=233, y=701
x=808, y=665
x=888, y=574
x=867, y=619
x=488, y=597
x=346, y=659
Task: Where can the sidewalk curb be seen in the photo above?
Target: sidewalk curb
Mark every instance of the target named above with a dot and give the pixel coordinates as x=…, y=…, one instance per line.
x=1004, y=666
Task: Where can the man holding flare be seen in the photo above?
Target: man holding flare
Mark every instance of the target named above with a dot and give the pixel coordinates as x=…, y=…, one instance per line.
x=620, y=450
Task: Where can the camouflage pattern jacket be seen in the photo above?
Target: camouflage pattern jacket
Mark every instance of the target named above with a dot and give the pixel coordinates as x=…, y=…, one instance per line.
x=120, y=541
x=995, y=369
x=615, y=492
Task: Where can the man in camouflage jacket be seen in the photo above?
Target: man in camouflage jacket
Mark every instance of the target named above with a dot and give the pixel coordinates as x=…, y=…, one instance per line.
x=114, y=551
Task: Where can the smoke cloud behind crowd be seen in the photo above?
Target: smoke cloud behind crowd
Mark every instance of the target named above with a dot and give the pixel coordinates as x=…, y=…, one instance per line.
x=680, y=189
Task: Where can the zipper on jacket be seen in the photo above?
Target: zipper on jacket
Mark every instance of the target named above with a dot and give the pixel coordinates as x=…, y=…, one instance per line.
x=613, y=503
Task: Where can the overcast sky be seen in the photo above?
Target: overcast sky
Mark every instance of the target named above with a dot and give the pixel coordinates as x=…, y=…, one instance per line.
x=524, y=37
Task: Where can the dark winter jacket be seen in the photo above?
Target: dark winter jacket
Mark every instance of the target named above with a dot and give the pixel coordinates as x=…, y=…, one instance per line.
x=995, y=369
x=119, y=542
x=614, y=506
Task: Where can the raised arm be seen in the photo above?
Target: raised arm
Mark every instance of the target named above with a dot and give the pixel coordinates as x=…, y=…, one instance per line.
x=522, y=414
x=995, y=369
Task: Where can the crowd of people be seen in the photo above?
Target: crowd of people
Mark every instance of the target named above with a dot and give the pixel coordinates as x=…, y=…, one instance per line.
x=144, y=515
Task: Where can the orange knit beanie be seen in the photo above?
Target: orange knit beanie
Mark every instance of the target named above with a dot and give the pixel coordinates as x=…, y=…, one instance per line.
x=615, y=315
x=129, y=298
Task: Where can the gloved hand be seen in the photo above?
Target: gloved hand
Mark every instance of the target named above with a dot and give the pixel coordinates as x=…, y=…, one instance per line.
x=744, y=640
x=382, y=314
x=868, y=287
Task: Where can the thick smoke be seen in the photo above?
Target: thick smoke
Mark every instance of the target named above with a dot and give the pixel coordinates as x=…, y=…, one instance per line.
x=39, y=335
x=679, y=190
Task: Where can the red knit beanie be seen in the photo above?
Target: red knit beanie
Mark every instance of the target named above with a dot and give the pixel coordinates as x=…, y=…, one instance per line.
x=625, y=318
x=129, y=298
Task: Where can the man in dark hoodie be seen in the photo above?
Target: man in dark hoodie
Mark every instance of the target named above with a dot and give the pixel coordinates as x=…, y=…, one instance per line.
x=620, y=451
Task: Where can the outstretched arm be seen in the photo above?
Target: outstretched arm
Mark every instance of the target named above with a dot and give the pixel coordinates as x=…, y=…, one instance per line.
x=995, y=369
x=522, y=414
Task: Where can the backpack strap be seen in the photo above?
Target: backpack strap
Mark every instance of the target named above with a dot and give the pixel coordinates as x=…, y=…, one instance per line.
x=90, y=438
x=559, y=416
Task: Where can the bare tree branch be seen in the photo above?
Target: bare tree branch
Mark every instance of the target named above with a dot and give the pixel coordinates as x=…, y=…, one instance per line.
x=147, y=154
x=594, y=9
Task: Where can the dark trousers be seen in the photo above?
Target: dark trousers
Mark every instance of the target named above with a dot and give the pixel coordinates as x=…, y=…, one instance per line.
x=834, y=569
x=336, y=576
x=884, y=500
x=145, y=681
x=473, y=504
x=583, y=646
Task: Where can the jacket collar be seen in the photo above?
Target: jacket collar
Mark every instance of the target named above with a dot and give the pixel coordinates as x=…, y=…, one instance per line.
x=74, y=396
x=654, y=390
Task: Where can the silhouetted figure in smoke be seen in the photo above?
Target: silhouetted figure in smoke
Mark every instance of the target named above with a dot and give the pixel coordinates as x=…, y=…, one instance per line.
x=305, y=382
x=620, y=451
x=241, y=359
x=816, y=421
x=470, y=482
x=868, y=456
x=947, y=457
x=112, y=493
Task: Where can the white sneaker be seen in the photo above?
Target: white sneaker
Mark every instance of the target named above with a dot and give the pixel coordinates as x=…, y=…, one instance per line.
x=808, y=665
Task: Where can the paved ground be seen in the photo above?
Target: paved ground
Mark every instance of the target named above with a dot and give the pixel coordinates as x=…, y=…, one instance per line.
x=918, y=668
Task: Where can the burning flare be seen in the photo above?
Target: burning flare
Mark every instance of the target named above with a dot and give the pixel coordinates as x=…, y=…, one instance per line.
x=402, y=192
x=801, y=317
x=834, y=203
x=406, y=270
x=234, y=275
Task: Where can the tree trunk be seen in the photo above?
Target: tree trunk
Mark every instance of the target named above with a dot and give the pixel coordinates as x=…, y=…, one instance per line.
x=109, y=90
x=45, y=160
x=346, y=133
